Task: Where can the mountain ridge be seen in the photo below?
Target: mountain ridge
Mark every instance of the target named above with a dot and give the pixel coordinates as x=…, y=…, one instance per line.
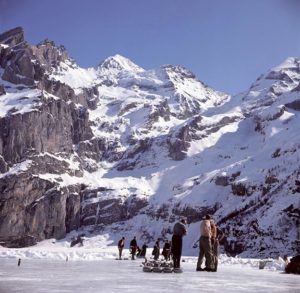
x=129, y=152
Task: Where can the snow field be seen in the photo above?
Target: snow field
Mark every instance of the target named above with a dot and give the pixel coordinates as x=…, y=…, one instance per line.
x=109, y=275
x=99, y=248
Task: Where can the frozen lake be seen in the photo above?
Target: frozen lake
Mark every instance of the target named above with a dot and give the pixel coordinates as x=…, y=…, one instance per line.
x=109, y=275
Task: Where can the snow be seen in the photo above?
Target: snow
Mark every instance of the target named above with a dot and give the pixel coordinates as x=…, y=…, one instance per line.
x=126, y=276
x=289, y=63
x=199, y=146
x=119, y=62
x=17, y=168
x=71, y=74
x=52, y=266
x=4, y=46
x=19, y=101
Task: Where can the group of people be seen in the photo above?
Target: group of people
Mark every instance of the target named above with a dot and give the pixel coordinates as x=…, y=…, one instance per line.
x=210, y=235
x=166, y=252
x=135, y=250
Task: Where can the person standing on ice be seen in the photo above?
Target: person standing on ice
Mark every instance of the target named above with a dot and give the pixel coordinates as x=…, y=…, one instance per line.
x=205, y=246
x=121, y=246
x=216, y=236
x=133, y=247
x=156, y=250
x=166, y=250
x=144, y=250
x=179, y=231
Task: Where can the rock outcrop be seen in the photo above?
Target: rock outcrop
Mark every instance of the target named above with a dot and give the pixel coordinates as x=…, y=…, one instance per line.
x=12, y=37
x=32, y=208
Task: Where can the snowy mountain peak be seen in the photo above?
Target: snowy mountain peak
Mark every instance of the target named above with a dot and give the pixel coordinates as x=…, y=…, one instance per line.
x=288, y=70
x=182, y=71
x=119, y=63
x=277, y=86
x=290, y=62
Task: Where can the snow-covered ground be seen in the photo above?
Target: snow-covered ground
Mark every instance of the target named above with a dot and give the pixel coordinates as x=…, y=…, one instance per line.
x=109, y=275
x=53, y=266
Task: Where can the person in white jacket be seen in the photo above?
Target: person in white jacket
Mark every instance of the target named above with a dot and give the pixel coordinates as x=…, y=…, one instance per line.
x=205, y=246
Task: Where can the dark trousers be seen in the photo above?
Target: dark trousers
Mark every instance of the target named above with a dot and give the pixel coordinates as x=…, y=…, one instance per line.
x=176, y=250
x=133, y=251
x=215, y=249
x=120, y=252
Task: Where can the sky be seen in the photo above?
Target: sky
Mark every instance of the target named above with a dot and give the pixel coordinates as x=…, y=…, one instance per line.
x=227, y=44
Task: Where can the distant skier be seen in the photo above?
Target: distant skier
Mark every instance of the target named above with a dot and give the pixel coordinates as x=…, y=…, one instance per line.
x=156, y=250
x=216, y=236
x=179, y=231
x=121, y=244
x=133, y=247
x=166, y=252
x=205, y=246
x=19, y=262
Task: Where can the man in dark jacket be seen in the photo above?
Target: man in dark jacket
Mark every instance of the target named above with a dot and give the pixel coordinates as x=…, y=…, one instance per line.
x=121, y=246
x=133, y=247
x=144, y=250
x=156, y=250
x=179, y=231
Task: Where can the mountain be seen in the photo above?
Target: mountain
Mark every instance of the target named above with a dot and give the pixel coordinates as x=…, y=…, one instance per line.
x=128, y=151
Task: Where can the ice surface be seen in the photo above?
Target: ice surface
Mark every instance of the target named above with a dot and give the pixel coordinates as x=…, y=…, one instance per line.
x=53, y=266
x=109, y=275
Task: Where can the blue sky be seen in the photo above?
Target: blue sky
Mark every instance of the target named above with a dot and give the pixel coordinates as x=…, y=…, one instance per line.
x=226, y=43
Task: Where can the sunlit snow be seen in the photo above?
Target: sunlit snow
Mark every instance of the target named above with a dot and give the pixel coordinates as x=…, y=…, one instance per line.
x=52, y=266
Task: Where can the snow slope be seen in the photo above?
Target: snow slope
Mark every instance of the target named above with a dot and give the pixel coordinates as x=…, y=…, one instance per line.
x=227, y=142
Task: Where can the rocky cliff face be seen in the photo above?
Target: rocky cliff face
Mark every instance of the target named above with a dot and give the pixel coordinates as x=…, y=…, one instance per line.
x=33, y=208
x=125, y=150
